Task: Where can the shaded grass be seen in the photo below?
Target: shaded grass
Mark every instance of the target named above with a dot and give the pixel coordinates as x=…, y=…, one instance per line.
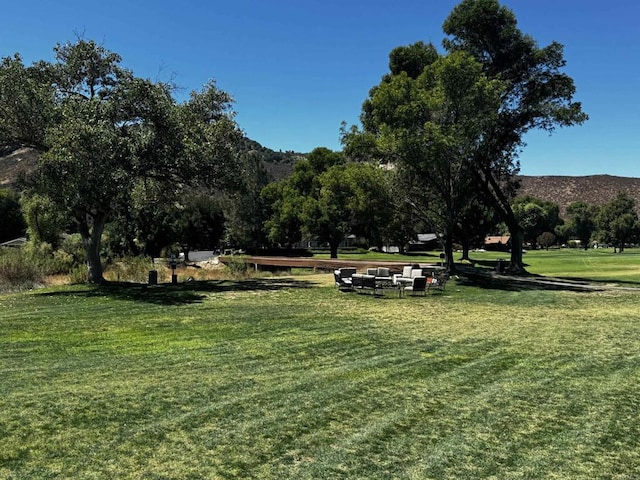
x=274, y=379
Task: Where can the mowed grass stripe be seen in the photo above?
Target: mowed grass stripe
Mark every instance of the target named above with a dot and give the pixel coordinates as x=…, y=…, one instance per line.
x=311, y=383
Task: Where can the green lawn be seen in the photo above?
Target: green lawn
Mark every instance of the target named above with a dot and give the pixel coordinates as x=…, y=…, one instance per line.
x=285, y=377
x=594, y=265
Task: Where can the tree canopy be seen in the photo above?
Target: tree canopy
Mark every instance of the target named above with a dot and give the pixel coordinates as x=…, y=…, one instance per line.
x=537, y=95
x=328, y=199
x=536, y=217
x=618, y=221
x=428, y=127
x=582, y=221
x=454, y=122
x=105, y=133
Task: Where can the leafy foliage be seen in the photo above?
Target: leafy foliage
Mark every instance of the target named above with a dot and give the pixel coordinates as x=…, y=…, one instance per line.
x=428, y=126
x=582, y=221
x=537, y=95
x=536, y=217
x=327, y=199
x=618, y=221
x=105, y=132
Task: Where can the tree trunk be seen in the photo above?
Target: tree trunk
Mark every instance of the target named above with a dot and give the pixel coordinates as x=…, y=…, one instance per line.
x=333, y=247
x=448, y=253
x=501, y=205
x=91, y=227
x=517, y=236
x=465, y=251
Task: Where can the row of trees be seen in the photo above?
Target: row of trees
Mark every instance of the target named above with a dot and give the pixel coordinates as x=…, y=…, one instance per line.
x=447, y=126
x=328, y=198
x=450, y=126
x=614, y=223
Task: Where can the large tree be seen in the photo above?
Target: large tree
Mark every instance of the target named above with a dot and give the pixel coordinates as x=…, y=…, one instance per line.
x=535, y=217
x=618, y=221
x=104, y=132
x=286, y=198
x=245, y=211
x=582, y=221
x=474, y=224
x=428, y=127
x=352, y=198
x=537, y=95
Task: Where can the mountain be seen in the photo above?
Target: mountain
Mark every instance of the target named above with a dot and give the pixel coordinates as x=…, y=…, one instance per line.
x=14, y=163
x=592, y=189
x=278, y=164
x=563, y=190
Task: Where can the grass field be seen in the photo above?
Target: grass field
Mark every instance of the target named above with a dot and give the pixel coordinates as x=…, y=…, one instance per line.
x=285, y=377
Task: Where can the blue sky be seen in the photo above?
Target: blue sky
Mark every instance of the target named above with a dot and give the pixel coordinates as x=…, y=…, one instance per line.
x=297, y=69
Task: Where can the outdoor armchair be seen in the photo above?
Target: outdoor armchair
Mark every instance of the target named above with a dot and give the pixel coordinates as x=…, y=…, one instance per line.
x=418, y=286
x=408, y=274
x=438, y=282
x=344, y=278
x=364, y=282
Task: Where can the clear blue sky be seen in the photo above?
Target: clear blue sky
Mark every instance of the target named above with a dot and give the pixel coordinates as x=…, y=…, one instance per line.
x=298, y=68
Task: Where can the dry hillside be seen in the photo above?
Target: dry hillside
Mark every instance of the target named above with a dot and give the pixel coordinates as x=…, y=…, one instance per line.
x=21, y=161
x=563, y=190
x=593, y=189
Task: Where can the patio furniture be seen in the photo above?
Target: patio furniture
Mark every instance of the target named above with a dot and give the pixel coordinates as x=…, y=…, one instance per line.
x=380, y=272
x=417, y=286
x=408, y=274
x=344, y=278
x=363, y=282
x=438, y=281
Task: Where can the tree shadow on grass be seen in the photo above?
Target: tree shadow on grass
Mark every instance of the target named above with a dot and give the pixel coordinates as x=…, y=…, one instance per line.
x=512, y=283
x=603, y=282
x=182, y=293
x=492, y=264
x=485, y=272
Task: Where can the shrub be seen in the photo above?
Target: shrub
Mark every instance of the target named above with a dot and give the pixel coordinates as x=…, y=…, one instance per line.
x=78, y=274
x=130, y=269
x=48, y=261
x=236, y=266
x=72, y=246
x=17, y=271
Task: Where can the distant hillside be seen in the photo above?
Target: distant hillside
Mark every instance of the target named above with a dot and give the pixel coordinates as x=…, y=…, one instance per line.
x=278, y=164
x=563, y=190
x=13, y=163
x=592, y=189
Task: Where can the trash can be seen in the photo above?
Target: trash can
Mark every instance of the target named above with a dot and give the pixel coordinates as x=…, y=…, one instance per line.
x=500, y=265
x=153, y=277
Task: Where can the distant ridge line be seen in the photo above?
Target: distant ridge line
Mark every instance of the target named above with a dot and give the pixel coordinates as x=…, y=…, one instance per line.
x=591, y=189
x=561, y=189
